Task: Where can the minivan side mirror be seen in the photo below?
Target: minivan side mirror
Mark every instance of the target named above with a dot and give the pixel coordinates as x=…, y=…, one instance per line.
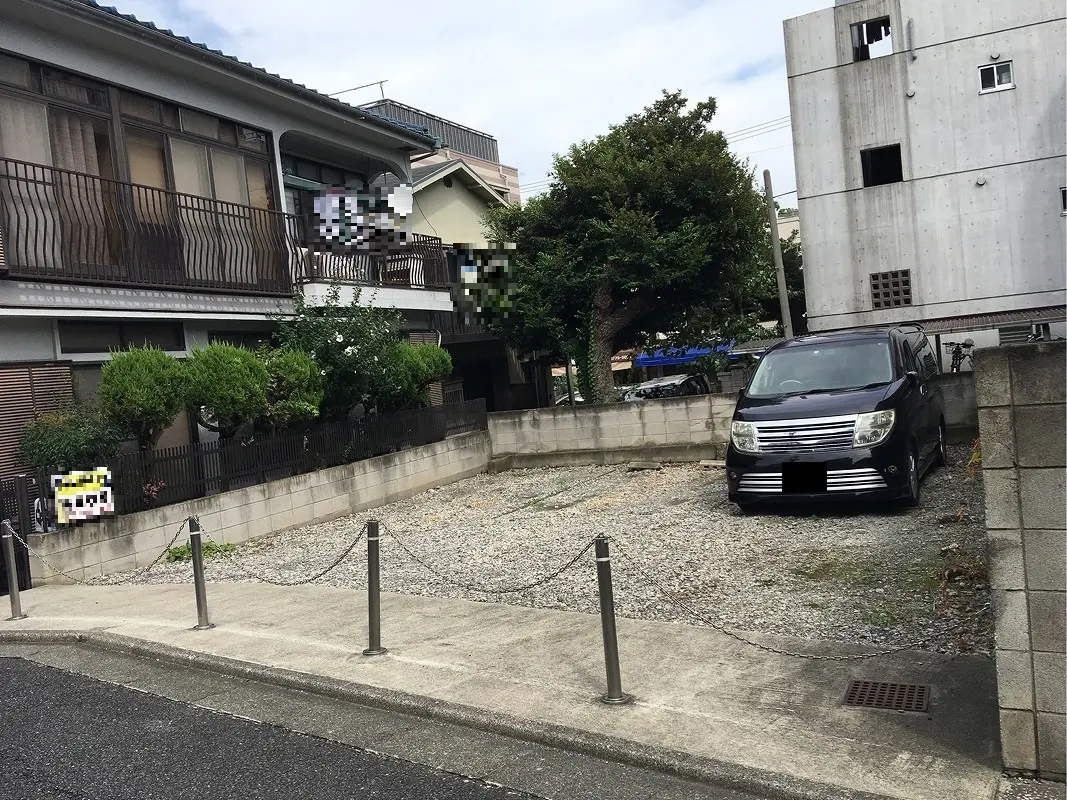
x=741, y=393
x=913, y=378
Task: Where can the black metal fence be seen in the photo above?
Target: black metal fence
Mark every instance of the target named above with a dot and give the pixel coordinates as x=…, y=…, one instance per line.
x=58, y=225
x=144, y=480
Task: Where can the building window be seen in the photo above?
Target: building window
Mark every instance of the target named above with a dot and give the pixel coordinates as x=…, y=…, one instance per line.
x=996, y=77
x=1063, y=200
x=882, y=165
x=891, y=289
x=103, y=337
x=871, y=39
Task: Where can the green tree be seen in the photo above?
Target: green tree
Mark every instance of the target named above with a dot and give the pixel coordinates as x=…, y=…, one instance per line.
x=641, y=227
x=294, y=386
x=227, y=387
x=142, y=391
x=350, y=343
x=72, y=438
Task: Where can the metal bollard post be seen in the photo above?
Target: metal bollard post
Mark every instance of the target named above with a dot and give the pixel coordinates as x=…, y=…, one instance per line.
x=196, y=546
x=7, y=535
x=374, y=595
x=615, y=695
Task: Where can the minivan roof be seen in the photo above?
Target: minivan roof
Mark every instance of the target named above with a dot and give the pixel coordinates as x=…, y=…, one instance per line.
x=882, y=331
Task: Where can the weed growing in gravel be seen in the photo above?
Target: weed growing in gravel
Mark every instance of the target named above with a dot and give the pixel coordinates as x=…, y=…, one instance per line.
x=185, y=553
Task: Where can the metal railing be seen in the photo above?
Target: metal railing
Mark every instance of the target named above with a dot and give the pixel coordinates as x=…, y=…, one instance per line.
x=419, y=262
x=68, y=227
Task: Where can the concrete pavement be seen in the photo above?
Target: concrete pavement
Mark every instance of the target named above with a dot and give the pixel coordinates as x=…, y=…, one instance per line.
x=706, y=706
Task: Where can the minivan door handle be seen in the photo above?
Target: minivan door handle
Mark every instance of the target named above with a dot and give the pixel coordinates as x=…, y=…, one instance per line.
x=923, y=389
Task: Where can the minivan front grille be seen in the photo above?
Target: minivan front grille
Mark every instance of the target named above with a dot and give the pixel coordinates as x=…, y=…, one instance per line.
x=806, y=435
x=837, y=480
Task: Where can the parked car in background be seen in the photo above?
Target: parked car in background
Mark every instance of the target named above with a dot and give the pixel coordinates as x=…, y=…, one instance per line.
x=672, y=386
x=853, y=414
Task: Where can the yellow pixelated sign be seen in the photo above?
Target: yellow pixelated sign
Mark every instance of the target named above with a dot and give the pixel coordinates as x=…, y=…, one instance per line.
x=83, y=495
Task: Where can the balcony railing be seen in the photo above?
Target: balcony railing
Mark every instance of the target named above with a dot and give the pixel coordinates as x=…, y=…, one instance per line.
x=68, y=227
x=419, y=263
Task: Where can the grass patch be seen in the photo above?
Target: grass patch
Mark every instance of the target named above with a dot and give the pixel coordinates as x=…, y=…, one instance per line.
x=209, y=548
x=835, y=569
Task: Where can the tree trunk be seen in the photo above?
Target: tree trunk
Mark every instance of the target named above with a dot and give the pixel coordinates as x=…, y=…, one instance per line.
x=609, y=318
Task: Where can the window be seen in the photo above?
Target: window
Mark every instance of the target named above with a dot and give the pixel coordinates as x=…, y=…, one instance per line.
x=996, y=77
x=148, y=109
x=923, y=353
x=891, y=289
x=1063, y=200
x=64, y=86
x=103, y=337
x=872, y=39
x=882, y=165
x=20, y=73
x=835, y=366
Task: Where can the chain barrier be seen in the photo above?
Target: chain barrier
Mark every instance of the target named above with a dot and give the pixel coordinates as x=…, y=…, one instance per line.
x=684, y=606
x=134, y=577
x=496, y=590
x=304, y=581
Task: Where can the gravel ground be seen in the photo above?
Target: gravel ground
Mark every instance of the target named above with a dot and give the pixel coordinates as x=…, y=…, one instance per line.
x=868, y=575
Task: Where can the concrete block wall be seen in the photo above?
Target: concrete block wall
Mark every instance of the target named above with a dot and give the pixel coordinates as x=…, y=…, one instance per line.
x=961, y=409
x=1022, y=414
x=134, y=540
x=675, y=429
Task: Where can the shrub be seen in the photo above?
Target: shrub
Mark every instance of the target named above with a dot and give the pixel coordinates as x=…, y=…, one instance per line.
x=409, y=370
x=142, y=391
x=73, y=438
x=350, y=343
x=226, y=387
x=294, y=386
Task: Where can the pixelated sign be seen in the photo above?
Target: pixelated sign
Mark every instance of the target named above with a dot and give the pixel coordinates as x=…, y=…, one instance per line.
x=374, y=221
x=83, y=495
x=486, y=282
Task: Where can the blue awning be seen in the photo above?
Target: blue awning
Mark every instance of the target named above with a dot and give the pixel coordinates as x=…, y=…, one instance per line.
x=670, y=358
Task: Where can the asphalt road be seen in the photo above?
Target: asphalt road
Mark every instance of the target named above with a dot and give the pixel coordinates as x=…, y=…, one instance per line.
x=69, y=737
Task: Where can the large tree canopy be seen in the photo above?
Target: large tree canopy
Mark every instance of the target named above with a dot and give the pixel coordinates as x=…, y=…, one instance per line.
x=641, y=227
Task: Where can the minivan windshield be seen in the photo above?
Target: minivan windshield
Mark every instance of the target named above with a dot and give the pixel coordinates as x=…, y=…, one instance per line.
x=823, y=367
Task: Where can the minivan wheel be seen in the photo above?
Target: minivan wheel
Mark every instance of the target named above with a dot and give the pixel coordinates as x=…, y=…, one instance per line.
x=941, y=456
x=911, y=499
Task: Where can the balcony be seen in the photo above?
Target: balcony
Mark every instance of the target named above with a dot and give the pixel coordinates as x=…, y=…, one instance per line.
x=66, y=227
x=419, y=263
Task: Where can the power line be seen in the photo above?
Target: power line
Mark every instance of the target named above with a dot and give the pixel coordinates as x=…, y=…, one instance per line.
x=778, y=121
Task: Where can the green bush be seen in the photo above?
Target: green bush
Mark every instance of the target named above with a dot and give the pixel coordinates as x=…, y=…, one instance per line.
x=226, y=387
x=409, y=370
x=294, y=386
x=142, y=391
x=73, y=438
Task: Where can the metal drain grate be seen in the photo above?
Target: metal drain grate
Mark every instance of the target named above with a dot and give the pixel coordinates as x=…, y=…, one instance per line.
x=890, y=696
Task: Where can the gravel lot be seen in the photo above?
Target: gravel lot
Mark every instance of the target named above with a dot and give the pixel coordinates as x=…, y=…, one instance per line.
x=870, y=575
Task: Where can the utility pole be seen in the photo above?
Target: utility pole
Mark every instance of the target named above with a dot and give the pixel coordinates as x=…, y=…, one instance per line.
x=776, y=244
x=570, y=381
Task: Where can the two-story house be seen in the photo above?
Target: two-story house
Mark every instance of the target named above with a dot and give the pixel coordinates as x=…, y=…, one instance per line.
x=930, y=145
x=154, y=190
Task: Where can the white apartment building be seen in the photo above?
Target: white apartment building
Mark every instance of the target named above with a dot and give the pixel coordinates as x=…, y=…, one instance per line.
x=930, y=143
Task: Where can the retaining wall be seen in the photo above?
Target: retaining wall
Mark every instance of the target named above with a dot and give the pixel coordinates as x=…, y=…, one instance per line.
x=676, y=429
x=134, y=540
x=1021, y=411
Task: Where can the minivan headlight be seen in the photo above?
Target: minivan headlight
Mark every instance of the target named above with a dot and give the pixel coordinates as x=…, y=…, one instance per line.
x=743, y=435
x=873, y=428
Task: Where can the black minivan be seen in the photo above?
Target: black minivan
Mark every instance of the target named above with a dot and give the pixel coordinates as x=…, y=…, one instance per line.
x=846, y=415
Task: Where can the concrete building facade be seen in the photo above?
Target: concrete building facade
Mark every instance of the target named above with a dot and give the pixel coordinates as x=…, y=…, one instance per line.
x=931, y=145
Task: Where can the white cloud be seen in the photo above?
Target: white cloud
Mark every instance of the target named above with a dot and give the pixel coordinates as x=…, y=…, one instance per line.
x=538, y=76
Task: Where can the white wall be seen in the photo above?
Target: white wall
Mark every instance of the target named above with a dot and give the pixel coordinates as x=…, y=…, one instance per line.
x=971, y=249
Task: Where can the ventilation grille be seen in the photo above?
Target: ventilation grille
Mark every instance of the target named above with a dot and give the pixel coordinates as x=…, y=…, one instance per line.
x=891, y=289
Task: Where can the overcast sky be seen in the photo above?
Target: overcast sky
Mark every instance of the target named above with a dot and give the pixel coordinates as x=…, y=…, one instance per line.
x=536, y=75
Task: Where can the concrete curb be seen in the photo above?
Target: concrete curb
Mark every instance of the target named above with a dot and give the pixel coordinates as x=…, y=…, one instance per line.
x=672, y=762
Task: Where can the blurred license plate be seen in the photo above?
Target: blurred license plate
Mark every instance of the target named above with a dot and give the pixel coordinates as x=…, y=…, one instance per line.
x=802, y=477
